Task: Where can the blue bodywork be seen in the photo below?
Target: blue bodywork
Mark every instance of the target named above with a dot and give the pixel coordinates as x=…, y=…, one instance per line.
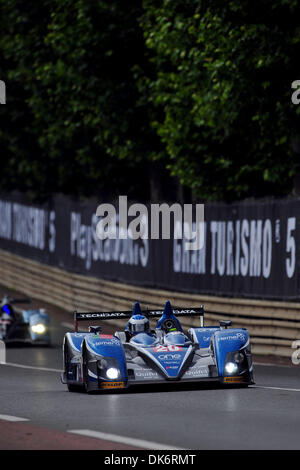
x=226, y=341
x=157, y=356
x=168, y=315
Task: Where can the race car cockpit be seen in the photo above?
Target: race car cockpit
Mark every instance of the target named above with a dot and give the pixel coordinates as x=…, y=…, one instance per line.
x=168, y=329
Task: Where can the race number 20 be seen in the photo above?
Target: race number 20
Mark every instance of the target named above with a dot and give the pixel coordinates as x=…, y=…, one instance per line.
x=170, y=347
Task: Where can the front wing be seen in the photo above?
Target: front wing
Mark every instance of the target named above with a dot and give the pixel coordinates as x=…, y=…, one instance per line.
x=139, y=373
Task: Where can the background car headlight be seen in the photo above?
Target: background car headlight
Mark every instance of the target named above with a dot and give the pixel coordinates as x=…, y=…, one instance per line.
x=39, y=328
x=231, y=368
x=112, y=373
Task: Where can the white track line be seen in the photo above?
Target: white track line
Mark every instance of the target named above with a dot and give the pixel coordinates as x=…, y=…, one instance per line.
x=267, y=364
x=12, y=418
x=22, y=366
x=124, y=440
x=276, y=388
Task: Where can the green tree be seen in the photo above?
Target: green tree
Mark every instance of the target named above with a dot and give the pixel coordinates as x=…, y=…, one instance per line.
x=74, y=121
x=108, y=97
x=223, y=73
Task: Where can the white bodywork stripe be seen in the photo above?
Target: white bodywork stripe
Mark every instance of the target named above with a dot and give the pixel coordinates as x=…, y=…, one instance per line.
x=187, y=354
x=91, y=374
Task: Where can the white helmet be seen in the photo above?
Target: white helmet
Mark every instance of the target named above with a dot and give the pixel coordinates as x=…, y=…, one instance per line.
x=138, y=324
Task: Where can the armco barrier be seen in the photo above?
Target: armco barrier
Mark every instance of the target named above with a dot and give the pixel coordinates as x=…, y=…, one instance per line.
x=273, y=325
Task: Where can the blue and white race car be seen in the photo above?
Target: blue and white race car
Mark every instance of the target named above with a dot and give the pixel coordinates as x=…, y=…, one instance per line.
x=138, y=355
x=18, y=325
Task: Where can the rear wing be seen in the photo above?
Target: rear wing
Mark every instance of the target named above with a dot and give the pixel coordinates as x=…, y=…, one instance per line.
x=178, y=312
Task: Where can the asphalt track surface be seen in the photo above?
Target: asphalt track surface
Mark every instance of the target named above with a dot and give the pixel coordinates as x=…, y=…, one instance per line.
x=37, y=411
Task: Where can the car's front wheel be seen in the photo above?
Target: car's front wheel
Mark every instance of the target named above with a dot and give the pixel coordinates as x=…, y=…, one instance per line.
x=71, y=387
x=85, y=373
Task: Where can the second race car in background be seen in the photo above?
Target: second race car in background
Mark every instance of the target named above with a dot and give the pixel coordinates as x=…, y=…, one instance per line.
x=18, y=325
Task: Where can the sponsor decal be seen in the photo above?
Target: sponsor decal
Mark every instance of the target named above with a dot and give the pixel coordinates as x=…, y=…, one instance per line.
x=233, y=380
x=145, y=373
x=106, y=336
x=240, y=336
x=112, y=342
x=169, y=357
x=203, y=371
x=100, y=315
x=112, y=385
x=170, y=347
x=185, y=311
x=103, y=343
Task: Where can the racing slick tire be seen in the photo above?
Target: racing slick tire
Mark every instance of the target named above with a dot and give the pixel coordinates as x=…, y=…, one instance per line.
x=71, y=387
x=85, y=370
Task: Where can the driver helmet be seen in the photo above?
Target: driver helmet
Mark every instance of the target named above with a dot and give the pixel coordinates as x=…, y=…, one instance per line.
x=138, y=324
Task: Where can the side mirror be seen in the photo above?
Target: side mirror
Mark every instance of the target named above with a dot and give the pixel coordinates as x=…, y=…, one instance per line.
x=225, y=323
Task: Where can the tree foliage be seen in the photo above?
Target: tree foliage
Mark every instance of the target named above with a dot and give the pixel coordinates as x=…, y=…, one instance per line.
x=105, y=97
x=223, y=79
x=72, y=121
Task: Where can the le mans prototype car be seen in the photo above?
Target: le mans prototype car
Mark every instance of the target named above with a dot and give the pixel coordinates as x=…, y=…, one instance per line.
x=139, y=355
x=23, y=326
